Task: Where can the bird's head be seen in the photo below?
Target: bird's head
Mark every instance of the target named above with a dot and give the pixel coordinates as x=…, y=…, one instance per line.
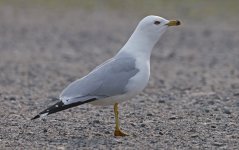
x=147, y=34
x=155, y=26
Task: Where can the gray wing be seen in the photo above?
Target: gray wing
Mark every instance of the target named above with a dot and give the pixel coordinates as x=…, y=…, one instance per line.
x=109, y=79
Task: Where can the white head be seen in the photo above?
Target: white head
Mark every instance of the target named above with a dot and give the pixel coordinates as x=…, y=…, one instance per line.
x=147, y=34
x=154, y=26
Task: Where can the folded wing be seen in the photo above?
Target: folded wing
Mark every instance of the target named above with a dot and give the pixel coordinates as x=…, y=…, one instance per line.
x=109, y=79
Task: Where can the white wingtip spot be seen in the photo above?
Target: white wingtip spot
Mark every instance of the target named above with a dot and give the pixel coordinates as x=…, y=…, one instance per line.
x=43, y=115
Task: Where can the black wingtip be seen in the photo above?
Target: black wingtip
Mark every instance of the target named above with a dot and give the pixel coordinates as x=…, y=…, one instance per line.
x=37, y=116
x=59, y=106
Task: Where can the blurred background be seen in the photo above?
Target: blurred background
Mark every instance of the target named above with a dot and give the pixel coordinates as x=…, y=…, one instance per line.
x=193, y=10
x=192, y=97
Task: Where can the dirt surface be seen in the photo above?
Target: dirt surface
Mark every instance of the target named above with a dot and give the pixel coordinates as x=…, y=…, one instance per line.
x=191, y=102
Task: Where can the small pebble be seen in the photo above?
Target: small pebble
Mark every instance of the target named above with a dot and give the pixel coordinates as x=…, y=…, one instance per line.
x=236, y=94
x=60, y=148
x=143, y=125
x=152, y=142
x=218, y=144
x=226, y=99
x=161, y=101
x=212, y=126
x=206, y=110
x=96, y=121
x=194, y=135
x=211, y=102
x=237, y=104
x=226, y=111
x=172, y=118
x=12, y=98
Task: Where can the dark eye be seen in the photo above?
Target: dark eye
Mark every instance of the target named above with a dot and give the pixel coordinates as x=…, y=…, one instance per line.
x=157, y=22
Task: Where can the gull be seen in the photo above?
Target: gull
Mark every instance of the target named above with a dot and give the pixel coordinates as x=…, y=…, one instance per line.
x=120, y=78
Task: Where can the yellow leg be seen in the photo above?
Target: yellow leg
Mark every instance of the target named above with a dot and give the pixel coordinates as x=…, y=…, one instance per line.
x=118, y=132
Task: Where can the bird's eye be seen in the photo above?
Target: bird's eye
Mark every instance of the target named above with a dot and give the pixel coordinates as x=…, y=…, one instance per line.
x=157, y=22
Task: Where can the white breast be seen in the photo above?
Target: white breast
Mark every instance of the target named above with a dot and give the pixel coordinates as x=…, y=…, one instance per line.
x=140, y=80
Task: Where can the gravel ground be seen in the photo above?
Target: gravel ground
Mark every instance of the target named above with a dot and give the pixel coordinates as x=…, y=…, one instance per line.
x=191, y=102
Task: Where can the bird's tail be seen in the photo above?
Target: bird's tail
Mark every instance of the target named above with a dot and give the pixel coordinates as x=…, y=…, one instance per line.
x=59, y=106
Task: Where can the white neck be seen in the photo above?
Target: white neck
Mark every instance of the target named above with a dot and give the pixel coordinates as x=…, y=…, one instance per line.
x=140, y=44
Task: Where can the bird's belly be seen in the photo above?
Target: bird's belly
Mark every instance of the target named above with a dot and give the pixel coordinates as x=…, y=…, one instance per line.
x=114, y=99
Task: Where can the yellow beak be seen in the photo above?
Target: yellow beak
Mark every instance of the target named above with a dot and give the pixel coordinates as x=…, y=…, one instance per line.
x=173, y=23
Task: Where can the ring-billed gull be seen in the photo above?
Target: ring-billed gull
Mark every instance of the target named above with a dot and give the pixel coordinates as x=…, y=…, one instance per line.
x=121, y=77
